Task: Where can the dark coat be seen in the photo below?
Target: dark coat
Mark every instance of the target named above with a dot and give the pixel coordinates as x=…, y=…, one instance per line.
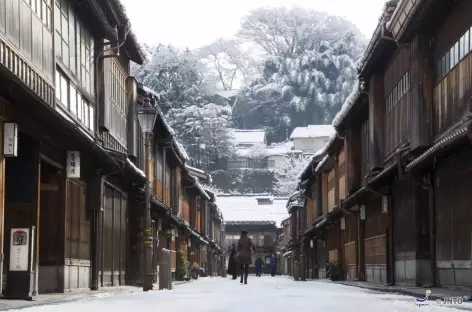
x=259, y=263
x=245, y=246
x=232, y=263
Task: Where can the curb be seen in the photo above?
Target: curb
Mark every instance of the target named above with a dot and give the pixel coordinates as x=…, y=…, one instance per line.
x=69, y=300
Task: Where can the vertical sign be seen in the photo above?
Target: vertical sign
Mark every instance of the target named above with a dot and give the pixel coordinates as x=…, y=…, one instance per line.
x=362, y=212
x=384, y=204
x=73, y=164
x=19, y=249
x=343, y=223
x=10, y=139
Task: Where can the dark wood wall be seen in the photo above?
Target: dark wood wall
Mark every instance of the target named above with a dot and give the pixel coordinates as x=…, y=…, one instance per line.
x=114, y=241
x=452, y=61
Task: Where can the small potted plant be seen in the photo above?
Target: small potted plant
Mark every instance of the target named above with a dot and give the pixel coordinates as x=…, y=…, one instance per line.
x=335, y=270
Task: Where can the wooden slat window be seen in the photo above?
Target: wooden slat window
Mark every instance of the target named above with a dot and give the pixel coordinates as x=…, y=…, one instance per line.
x=167, y=184
x=72, y=100
x=74, y=46
x=42, y=9
x=397, y=116
x=325, y=193
x=375, y=250
x=77, y=224
x=342, y=175
x=115, y=82
x=365, y=149
x=350, y=253
x=331, y=190
x=453, y=84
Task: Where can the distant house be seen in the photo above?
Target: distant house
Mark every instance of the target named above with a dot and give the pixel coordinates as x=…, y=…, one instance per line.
x=226, y=97
x=253, y=207
x=311, y=138
x=277, y=152
x=249, y=148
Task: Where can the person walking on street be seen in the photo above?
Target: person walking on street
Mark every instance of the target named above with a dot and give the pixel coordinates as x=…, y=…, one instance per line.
x=232, y=263
x=245, y=247
x=259, y=263
x=273, y=265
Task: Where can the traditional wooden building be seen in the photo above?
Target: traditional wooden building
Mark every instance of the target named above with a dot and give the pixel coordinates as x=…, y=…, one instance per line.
x=406, y=138
x=59, y=62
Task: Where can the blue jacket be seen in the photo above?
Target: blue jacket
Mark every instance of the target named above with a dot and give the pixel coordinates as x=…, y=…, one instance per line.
x=259, y=262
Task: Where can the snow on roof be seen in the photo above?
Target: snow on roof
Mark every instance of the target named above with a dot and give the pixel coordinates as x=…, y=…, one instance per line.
x=228, y=93
x=181, y=150
x=244, y=136
x=195, y=169
x=246, y=208
x=279, y=148
x=159, y=111
x=322, y=163
x=312, y=131
x=318, y=153
x=136, y=169
x=348, y=104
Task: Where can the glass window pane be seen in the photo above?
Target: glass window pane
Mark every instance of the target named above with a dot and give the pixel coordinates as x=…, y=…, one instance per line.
x=64, y=90
x=58, y=44
x=64, y=27
x=456, y=53
x=470, y=38
x=466, y=46
x=451, y=59
x=80, y=104
x=73, y=100
x=86, y=114
x=58, y=85
x=57, y=18
x=92, y=118
x=65, y=53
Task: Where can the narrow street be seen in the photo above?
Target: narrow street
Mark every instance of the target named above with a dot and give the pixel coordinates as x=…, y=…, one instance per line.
x=261, y=294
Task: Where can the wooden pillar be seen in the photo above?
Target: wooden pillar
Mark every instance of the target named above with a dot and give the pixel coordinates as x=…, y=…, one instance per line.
x=376, y=121
x=354, y=148
x=2, y=209
x=94, y=203
x=421, y=94
x=361, y=247
x=390, y=243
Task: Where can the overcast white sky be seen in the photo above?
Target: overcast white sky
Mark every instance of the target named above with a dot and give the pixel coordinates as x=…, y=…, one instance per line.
x=193, y=23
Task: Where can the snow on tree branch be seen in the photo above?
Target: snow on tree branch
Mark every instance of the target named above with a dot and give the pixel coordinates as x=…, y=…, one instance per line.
x=287, y=174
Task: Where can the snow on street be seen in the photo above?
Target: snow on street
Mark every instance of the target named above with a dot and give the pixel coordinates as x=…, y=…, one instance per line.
x=261, y=294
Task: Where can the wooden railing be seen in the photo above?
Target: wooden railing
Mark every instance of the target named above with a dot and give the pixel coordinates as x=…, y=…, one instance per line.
x=375, y=250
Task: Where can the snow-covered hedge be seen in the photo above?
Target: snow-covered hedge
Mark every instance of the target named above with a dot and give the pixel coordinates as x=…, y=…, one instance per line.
x=244, y=180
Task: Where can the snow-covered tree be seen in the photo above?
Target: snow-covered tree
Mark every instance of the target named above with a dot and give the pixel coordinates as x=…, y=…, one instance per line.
x=257, y=153
x=287, y=174
x=203, y=129
x=309, y=70
x=230, y=62
x=176, y=75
